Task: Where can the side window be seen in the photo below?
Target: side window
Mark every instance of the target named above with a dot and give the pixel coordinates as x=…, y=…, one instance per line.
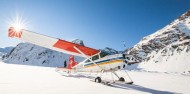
x=95, y=57
x=103, y=54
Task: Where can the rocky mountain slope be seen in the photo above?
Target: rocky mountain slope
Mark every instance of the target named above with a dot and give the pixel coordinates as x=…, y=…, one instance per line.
x=5, y=50
x=109, y=50
x=168, y=49
x=30, y=54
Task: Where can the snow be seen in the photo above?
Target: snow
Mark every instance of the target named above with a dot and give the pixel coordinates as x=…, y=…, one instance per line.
x=109, y=51
x=78, y=41
x=164, y=67
x=168, y=60
x=22, y=79
x=5, y=50
x=30, y=54
x=166, y=50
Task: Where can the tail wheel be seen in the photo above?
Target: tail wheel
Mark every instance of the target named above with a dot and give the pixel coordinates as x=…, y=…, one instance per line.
x=98, y=80
x=122, y=79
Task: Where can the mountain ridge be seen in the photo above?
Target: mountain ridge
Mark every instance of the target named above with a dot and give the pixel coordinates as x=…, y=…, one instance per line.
x=157, y=51
x=161, y=51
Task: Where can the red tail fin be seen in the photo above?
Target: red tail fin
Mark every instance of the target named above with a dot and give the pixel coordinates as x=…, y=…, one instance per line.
x=72, y=62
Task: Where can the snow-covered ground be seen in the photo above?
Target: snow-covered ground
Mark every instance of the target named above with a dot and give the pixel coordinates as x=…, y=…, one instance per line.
x=22, y=79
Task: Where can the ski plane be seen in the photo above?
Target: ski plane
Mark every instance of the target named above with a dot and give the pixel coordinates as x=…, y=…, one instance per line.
x=95, y=60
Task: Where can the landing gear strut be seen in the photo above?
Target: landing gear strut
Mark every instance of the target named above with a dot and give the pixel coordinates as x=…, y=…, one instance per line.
x=120, y=79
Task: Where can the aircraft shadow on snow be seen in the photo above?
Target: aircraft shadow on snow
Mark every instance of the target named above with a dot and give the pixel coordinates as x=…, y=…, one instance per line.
x=141, y=88
x=131, y=87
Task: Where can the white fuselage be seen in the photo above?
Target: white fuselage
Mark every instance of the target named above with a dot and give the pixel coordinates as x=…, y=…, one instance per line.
x=106, y=63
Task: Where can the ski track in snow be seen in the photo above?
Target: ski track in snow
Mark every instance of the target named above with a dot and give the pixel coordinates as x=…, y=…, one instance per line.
x=22, y=79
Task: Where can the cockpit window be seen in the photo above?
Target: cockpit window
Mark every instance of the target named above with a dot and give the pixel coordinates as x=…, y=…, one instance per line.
x=103, y=54
x=95, y=57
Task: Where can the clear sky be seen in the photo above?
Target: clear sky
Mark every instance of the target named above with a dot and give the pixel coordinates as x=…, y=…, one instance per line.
x=99, y=23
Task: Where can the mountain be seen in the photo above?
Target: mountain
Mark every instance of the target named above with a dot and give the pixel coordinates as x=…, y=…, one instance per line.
x=109, y=50
x=168, y=49
x=5, y=50
x=78, y=41
x=30, y=54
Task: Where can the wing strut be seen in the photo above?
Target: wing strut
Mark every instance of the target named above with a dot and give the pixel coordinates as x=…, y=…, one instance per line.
x=88, y=57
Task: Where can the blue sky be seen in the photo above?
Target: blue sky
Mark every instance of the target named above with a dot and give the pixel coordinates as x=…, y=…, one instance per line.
x=99, y=23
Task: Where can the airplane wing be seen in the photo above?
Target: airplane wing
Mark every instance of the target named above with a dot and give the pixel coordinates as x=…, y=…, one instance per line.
x=52, y=43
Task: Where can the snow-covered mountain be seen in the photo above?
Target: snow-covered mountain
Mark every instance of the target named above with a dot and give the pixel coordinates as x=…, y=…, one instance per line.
x=109, y=50
x=5, y=50
x=168, y=49
x=30, y=54
x=78, y=41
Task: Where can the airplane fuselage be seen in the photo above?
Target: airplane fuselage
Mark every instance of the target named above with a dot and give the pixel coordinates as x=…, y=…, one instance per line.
x=106, y=63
